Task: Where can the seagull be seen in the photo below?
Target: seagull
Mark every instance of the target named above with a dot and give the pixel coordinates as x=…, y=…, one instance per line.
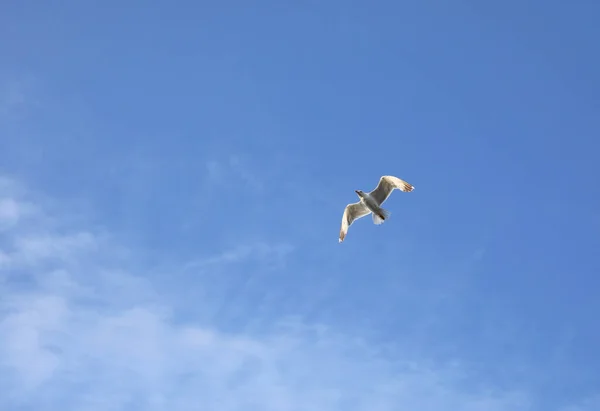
x=371, y=202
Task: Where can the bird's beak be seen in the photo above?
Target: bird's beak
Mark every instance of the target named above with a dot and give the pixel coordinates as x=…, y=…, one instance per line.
x=356, y=191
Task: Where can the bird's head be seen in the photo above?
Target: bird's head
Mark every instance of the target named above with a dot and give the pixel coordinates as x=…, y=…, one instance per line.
x=359, y=193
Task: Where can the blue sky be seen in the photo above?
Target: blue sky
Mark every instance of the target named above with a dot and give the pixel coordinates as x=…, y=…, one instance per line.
x=172, y=182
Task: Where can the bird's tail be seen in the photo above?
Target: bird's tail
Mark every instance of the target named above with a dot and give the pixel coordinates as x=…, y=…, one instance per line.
x=380, y=216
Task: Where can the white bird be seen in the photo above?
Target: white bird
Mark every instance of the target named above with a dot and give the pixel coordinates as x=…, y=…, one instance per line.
x=371, y=202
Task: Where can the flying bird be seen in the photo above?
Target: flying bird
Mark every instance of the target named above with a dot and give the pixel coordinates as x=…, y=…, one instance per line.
x=371, y=203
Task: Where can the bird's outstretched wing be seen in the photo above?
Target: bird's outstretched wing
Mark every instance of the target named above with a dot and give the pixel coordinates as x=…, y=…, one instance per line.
x=386, y=185
x=352, y=212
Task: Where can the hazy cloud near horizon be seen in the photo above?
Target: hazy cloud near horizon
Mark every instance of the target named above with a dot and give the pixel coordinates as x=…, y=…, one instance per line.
x=78, y=333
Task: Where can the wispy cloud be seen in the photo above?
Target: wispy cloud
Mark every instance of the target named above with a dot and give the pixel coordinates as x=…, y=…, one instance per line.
x=587, y=404
x=17, y=97
x=9, y=211
x=12, y=97
x=240, y=166
x=78, y=334
x=234, y=170
x=261, y=251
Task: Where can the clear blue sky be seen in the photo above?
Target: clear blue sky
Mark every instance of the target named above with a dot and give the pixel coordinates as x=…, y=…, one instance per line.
x=173, y=177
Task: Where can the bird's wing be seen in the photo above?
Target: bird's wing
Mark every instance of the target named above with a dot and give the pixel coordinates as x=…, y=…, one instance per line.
x=352, y=212
x=386, y=185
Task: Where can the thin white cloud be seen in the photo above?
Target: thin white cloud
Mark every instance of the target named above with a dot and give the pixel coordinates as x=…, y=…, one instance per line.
x=213, y=168
x=18, y=96
x=12, y=211
x=273, y=253
x=243, y=170
x=9, y=211
x=587, y=404
x=234, y=171
x=78, y=334
x=12, y=97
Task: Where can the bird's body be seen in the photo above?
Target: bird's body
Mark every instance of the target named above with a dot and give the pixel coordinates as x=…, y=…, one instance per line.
x=371, y=203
